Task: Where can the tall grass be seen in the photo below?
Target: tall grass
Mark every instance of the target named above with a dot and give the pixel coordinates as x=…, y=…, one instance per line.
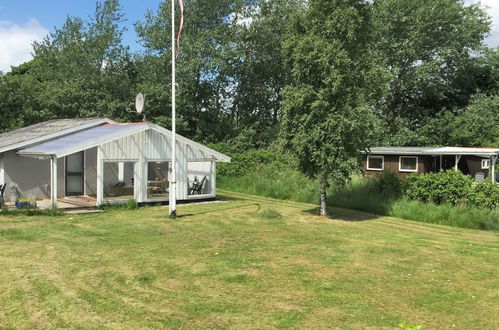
x=457, y=216
x=361, y=195
x=289, y=186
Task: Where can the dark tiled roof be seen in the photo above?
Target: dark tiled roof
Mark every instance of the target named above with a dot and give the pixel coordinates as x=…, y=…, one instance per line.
x=39, y=130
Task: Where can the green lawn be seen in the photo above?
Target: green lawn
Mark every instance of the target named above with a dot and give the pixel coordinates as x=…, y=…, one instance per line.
x=223, y=265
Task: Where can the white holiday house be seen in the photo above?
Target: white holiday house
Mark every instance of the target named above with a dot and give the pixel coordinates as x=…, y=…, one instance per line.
x=105, y=160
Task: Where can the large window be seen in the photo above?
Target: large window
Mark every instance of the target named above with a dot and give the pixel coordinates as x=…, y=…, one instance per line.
x=375, y=163
x=157, y=179
x=408, y=164
x=118, y=180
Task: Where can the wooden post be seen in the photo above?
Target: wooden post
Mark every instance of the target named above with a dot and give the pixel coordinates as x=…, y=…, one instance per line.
x=441, y=162
x=53, y=181
x=100, y=177
x=493, y=160
x=458, y=157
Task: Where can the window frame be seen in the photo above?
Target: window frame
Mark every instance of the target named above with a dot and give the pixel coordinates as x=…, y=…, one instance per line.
x=487, y=167
x=376, y=157
x=408, y=170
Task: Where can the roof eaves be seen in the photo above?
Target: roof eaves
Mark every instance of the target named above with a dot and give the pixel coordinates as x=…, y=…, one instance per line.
x=55, y=135
x=95, y=143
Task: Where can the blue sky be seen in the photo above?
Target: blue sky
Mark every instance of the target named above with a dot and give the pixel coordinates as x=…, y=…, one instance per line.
x=54, y=12
x=22, y=21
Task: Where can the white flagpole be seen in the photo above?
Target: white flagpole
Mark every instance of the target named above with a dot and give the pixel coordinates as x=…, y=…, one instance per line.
x=173, y=183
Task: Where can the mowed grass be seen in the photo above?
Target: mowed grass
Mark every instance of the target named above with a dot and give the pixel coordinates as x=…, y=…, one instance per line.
x=249, y=262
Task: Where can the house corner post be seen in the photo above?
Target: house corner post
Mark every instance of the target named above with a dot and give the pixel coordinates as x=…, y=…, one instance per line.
x=53, y=181
x=100, y=177
x=141, y=180
x=493, y=161
x=458, y=158
x=214, y=178
x=2, y=170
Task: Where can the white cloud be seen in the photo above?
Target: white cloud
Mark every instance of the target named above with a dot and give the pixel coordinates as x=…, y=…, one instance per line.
x=16, y=40
x=492, y=7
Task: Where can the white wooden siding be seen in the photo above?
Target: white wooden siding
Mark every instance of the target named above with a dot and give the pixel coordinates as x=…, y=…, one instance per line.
x=151, y=145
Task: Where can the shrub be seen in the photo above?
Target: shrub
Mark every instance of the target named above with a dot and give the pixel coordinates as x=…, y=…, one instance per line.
x=444, y=187
x=484, y=194
x=389, y=183
x=132, y=204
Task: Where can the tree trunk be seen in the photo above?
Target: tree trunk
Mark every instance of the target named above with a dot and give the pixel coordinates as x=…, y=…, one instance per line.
x=323, y=210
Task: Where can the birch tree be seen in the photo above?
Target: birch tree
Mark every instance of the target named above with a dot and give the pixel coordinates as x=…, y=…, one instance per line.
x=326, y=117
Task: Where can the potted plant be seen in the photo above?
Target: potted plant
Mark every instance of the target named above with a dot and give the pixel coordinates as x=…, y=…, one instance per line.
x=26, y=203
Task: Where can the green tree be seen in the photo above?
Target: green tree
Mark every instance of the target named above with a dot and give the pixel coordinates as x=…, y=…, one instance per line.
x=327, y=119
x=429, y=51
x=260, y=72
x=203, y=70
x=79, y=70
x=476, y=126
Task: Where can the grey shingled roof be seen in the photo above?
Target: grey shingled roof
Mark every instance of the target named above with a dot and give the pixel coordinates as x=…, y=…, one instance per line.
x=41, y=129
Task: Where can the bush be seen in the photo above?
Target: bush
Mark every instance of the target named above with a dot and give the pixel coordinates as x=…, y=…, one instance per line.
x=389, y=183
x=484, y=194
x=445, y=187
x=132, y=204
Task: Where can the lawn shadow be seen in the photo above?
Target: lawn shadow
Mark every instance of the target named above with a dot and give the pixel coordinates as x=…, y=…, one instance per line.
x=341, y=214
x=225, y=198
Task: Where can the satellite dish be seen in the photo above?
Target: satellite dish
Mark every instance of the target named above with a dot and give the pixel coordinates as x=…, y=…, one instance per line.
x=139, y=102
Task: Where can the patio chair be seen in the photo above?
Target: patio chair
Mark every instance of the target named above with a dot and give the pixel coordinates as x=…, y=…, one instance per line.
x=197, y=187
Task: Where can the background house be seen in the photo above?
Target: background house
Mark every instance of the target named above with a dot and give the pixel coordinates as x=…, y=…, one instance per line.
x=477, y=162
x=104, y=160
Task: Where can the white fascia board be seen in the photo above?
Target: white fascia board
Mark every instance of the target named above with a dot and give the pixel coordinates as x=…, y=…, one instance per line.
x=217, y=155
x=56, y=135
x=93, y=144
x=479, y=152
x=402, y=153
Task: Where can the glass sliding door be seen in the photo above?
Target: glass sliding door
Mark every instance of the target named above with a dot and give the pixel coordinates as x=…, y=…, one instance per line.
x=75, y=175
